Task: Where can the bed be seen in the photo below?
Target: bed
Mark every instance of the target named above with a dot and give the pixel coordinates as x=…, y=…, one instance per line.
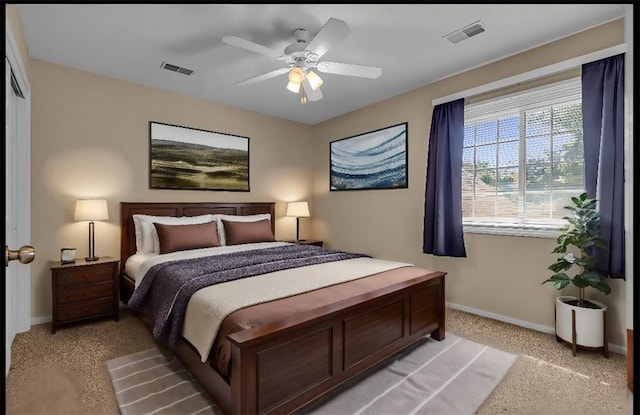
x=309, y=343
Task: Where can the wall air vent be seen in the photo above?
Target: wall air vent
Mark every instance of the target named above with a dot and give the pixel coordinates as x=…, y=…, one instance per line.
x=176, y=68
x=466, y=32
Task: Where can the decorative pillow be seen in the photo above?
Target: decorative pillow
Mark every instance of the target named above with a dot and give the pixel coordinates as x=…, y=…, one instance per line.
x=184, y=237
x=247, y=232
x=144, y=236
x=234, y=218
x=147, y=236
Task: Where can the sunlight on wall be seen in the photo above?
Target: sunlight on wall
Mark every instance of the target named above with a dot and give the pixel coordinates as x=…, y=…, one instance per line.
x=290, y=185
x=87, y=173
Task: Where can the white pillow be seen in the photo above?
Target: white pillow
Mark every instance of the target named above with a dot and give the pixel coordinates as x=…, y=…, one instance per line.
x=146, y=236
x=233, y=218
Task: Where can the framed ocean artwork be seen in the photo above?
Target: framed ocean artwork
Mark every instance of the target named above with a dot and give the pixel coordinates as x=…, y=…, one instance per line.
x=373, y=160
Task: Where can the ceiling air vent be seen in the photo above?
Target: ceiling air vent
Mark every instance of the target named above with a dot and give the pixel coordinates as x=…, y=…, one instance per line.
x=176, y=68
x=466, y=32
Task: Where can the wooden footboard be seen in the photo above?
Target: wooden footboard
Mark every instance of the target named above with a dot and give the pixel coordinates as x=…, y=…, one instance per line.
x=283, y=366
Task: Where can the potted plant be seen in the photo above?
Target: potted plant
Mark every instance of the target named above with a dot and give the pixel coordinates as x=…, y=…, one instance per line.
x=580, y=321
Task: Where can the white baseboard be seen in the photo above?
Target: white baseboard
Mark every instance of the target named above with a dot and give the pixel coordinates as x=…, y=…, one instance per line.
x=533, y=326
x=41, y=320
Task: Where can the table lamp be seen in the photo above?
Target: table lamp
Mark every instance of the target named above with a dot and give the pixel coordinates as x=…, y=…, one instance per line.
x=91, y=209
x=298, y=210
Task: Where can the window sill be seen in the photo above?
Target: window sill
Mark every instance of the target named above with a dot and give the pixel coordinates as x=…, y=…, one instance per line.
x=535, y=232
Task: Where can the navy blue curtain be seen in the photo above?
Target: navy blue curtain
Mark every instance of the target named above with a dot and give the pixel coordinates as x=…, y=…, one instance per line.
x=603, y=124
x=442, y=234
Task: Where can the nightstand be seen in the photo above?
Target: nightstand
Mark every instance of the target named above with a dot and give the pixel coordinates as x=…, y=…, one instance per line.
x=308, y=242
x=84, y=290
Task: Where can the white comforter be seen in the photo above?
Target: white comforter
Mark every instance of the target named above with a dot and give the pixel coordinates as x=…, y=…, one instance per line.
x=209, y=306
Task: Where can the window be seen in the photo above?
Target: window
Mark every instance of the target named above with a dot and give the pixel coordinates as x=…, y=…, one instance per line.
x=523, y=160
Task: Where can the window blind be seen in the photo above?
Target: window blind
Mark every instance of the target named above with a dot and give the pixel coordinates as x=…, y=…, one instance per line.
x=546, y=95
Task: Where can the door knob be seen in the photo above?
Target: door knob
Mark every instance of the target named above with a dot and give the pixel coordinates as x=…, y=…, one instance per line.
x=25, y=254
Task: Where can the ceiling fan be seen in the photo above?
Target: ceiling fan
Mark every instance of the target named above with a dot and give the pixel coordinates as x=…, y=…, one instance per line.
x=304, y=55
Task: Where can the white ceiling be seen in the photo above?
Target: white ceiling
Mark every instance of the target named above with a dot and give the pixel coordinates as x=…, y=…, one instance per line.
x=129, y=42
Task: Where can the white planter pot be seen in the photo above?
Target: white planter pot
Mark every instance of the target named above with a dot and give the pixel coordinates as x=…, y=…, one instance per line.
x=590, y=325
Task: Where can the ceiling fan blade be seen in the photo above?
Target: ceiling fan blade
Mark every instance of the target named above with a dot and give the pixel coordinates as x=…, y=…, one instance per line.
x=264, y=76
x=311, y=94
x=350, y=69
x=253, y=47
x=333, y=31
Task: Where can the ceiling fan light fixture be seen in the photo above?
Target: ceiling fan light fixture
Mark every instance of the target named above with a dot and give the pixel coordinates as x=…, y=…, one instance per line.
x=296, y=75
x=295, y=88
x=305, y=54
x=314, y=80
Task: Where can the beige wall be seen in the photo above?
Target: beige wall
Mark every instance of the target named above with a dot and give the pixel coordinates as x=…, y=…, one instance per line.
x=501, y=274
x=90, y=138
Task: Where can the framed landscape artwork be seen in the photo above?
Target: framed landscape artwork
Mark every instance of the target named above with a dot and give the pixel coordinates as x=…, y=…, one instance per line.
x=193, y=159
x=373, y=160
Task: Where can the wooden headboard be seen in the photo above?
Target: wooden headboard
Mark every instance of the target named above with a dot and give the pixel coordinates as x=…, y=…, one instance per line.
x=128, y=209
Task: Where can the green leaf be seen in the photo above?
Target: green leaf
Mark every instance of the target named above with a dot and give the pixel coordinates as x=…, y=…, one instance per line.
x=560, y=265
x=591, y=204
x=560, y=276
x=601, y=243
x=579, y=282
x=592, y=278
x=559, y=280
x=604, y=287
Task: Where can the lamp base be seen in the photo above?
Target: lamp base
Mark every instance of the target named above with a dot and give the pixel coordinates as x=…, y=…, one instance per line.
x=91, y=258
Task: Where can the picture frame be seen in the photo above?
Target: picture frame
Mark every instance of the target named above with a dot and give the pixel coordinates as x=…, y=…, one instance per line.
x=185, y=158
x=67, y=255
x=373, y=160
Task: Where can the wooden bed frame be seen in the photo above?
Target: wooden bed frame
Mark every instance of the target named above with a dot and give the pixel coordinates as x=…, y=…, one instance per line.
x=283, y=366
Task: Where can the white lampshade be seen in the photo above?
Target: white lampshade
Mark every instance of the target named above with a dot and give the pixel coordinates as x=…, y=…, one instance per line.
x=298, y=209
x=314, y=80
x=295, y=88
x=91, y=209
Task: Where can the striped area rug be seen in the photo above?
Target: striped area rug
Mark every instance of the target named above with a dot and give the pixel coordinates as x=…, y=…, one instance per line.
x=453, y=376
x=155, y=382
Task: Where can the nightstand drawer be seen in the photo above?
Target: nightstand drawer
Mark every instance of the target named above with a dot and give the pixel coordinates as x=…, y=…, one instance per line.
x=85, y=275
x=85, y=310
x=74, y=294
x=83, y=290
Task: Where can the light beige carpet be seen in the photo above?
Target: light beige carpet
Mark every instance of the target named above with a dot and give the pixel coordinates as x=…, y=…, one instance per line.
x=65, y=373
x=453, y=376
